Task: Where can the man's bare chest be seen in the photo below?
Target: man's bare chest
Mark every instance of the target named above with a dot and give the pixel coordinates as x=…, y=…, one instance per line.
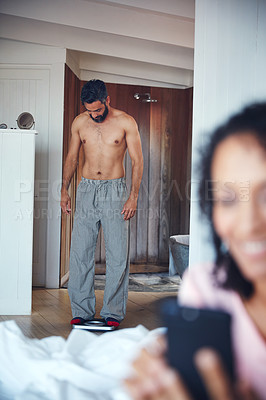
x=98, y=134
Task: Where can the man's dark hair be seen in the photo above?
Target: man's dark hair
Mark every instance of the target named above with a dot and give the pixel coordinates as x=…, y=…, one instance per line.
x=252, y=120
x=93, y=90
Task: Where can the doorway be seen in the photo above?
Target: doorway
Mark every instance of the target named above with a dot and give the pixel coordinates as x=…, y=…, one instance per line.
x=163, y=205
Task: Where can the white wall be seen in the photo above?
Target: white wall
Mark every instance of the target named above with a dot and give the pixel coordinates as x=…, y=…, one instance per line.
x=229, y=72
x=27, y=56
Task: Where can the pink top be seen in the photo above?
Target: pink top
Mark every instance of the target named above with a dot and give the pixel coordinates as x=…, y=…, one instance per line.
x=198, y=290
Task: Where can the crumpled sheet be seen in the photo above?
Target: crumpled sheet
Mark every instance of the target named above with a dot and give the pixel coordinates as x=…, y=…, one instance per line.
x=86, y=366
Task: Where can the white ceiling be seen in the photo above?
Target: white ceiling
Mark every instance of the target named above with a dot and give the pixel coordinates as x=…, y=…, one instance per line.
x=180, y=8
x=144, y=39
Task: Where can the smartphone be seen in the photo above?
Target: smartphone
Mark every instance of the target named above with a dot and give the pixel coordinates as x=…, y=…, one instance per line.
x=189, y=329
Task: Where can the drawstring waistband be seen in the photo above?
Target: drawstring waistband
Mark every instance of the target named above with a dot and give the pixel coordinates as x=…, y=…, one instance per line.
x=101, y=182
x=98, y=184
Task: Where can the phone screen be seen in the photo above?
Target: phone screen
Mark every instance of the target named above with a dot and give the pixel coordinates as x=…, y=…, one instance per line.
x=189, y=329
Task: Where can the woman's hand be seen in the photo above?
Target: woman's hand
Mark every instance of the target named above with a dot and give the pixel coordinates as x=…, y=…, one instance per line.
x=153, y=379
x=216, y=380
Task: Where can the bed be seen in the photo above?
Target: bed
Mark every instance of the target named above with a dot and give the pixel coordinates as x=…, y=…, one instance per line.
x=85, y=366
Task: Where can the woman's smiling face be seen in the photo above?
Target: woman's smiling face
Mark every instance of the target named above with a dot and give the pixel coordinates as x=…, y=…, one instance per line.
x=239, y=210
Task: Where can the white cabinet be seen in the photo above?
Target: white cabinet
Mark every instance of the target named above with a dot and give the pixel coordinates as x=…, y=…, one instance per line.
x=17, y=157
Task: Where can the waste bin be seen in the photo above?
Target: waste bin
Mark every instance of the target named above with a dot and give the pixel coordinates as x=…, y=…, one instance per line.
x=178, y=254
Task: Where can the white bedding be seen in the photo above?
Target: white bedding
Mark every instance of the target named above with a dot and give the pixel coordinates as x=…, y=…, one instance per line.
x=85, y=366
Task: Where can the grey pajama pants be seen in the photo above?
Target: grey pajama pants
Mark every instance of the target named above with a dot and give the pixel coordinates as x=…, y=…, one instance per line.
x=99, y=202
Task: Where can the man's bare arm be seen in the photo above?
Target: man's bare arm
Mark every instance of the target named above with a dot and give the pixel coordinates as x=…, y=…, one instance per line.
x=135, y=153
x=70, y=167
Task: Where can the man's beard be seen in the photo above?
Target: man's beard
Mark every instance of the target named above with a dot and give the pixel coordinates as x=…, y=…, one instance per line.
x=102, y=117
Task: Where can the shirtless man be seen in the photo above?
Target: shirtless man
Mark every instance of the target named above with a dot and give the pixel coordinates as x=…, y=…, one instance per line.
x=106, y=134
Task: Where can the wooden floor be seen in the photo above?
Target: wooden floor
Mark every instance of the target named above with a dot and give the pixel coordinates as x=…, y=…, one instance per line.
x=51, y=312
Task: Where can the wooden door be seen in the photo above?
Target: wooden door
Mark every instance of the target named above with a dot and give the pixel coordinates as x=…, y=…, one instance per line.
x=163, y=205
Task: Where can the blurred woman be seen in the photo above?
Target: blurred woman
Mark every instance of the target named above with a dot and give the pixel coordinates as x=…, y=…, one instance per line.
x=233, y=197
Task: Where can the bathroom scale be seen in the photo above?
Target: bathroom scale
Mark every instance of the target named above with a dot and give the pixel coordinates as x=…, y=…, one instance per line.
x=94, y=325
